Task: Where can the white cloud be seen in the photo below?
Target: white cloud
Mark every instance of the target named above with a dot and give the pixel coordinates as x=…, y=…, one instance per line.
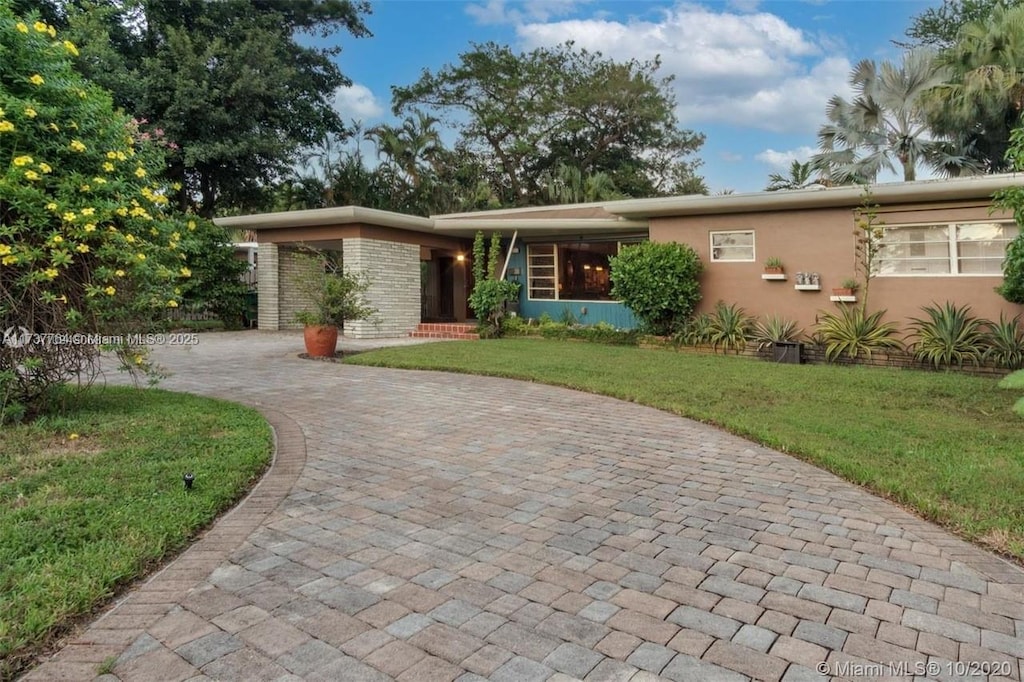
x=357, y=102
x=499, y=11
x=752, y=70
x=782, y=160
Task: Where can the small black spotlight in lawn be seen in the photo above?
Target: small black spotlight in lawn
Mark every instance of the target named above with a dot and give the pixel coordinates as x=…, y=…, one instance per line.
x=189, y=479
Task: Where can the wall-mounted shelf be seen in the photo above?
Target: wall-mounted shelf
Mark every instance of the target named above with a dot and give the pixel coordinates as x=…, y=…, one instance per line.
x=780, y=277
x=807, y=287
x=843, y=299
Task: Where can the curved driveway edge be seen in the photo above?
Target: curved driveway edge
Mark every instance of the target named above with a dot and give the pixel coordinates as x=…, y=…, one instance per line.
x=459, y=527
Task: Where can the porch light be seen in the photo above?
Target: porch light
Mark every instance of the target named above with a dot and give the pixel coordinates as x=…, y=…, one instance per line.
x=600, y=269
x=586, y=267
x=460, y=258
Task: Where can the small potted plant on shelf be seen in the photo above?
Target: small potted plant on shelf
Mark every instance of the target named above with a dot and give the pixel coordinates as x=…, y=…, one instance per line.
x=848, y=287
x=773, y=266
x=333, y=296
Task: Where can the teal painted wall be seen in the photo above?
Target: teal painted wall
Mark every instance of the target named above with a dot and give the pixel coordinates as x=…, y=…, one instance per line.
x=597, y=311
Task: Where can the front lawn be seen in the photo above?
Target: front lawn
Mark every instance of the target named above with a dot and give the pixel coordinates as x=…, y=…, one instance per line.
x=947, y=445
x=93, y=499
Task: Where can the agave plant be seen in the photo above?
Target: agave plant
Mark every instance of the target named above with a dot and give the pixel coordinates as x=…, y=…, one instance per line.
x=730, y=327
x=1004, y=343
x=774, y=329
x=950, y=335
x=696, y=331
x=851, y=332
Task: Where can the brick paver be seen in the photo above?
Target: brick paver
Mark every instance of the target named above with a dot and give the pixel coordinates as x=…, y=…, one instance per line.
x=426, y=526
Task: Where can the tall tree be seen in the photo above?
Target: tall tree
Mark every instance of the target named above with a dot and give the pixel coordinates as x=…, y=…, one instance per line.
x=800, y=176
x=411, y=148
x=232, y=87
x=939, y=27
x=885, y=125
x=525, y=114
x=983, y=98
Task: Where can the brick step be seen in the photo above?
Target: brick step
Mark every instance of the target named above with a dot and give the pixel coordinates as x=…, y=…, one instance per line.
x=447, y=327
x=444, y=335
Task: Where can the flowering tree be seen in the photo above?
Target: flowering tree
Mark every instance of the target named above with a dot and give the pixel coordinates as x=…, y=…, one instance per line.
x=87, y=244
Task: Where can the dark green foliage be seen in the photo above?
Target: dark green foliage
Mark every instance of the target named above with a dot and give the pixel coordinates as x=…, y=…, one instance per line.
x=1004, y=343
x=659, y=282
x=335, y=294
x=695, y=332
x=940, y=26
x=950, y=335
x=216, y=282
x=852, y=332
x=490, y=294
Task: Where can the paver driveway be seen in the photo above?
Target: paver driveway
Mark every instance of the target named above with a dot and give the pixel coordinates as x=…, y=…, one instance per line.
x=428, y=526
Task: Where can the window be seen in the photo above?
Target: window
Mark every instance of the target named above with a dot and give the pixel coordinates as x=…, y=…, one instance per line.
x=732, y=246
x=945, y=249
x=570, y=271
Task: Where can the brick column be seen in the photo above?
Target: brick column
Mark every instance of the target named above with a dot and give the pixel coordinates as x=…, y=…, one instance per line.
x=394, y=273
x=267, y=286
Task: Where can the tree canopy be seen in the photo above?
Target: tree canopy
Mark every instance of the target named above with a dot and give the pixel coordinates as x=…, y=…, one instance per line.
x=527, y=115
x=939, y=27
x=228, y=84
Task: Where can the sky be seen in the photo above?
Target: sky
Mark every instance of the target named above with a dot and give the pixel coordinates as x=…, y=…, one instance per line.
x=753, y=75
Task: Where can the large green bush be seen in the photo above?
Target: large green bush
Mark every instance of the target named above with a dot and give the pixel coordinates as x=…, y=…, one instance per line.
x=1012, y=199
x=659, y=282
x=87, y=245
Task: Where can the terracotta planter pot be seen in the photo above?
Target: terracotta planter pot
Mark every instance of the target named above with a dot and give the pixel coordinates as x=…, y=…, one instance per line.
x=840, y=291
x=321, y=341
x=774, y=271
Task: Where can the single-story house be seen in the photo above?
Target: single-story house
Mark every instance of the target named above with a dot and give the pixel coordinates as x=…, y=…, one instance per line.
x=943, y=242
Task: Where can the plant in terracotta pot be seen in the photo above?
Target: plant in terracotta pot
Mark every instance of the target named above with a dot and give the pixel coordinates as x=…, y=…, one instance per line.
x=848, y=287
x=773, y=266
x=333, y=296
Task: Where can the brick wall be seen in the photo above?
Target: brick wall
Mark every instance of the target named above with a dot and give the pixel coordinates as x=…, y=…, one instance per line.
x=268, y=287
x=394, y=273
x=290, y=300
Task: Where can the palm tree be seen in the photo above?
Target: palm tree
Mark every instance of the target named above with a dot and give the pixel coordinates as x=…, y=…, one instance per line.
x=409, y=148
x=566, y=184
x=799, y=178
x=885, y=125
x=984, y=96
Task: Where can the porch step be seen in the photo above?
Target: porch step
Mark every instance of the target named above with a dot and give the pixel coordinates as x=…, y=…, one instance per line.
x=445, y=330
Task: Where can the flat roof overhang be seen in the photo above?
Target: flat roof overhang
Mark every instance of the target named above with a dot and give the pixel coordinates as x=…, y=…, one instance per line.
x=319, y=217
x=974, y=187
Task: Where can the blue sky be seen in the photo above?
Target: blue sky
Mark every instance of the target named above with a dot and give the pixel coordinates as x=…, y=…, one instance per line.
x=752, y=75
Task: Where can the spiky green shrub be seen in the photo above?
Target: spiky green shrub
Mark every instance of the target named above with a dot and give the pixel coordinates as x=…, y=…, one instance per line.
x=696, y=331
x=730, y=327
x=949, y=335
x=774, y=329
x=1004, y=343
x=852, y=333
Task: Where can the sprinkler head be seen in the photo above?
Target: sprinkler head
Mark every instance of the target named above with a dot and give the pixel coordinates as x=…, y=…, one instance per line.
x=189, y=478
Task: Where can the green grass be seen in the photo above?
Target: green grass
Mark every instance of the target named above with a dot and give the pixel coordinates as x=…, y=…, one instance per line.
x=946, y=445
x=92, y=499
x=1013, y=381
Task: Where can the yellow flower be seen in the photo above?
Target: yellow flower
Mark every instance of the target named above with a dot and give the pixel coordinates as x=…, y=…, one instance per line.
x=57, y=239
x=99, y=181
x=111, y=155
x=22, y=160
x=176, y=186
x=45, y=167
x=39, y=26
x=88, y=211
x=30, y=112
x=185, y=272
x=69, y=216
x=1, y=113
x=138, y=359
x=142, y=256
x=9, y=260
x=110, y=291
x=54, y=127
x=36, y=79
x=140, y=172
x=77, y=146
x=51, y=30
x=4, y=249
x=6, y=127
x=73, y=436
x=70, y=47
x=82, y=248
x=22, y=28
x=121, y=211
x=31, y=175
x=191, y=225
x=73, y=125
x=107, y=166
x=172, y=303
x=130, y=238
x=121, y=157
x=51, y=273
x=84, y=188
x=89, y=227
x=51, y=206
x=119, y=273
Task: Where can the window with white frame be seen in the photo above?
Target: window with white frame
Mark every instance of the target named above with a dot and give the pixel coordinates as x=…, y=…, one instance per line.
x=732, y=246
x=945, y=249
x=570, y=271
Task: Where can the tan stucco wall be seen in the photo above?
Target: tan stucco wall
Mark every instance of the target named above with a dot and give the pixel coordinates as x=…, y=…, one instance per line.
x=823, y=241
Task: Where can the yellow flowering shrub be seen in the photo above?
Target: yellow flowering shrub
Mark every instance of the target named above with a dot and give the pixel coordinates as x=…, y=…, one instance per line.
x=62, y=145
